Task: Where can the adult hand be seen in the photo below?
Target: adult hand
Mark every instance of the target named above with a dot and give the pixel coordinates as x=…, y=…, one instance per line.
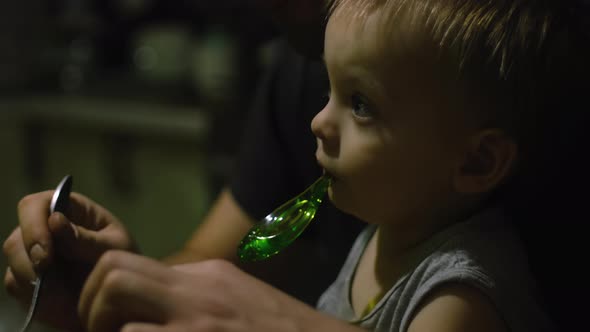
x=130, y=293
x=62, y=247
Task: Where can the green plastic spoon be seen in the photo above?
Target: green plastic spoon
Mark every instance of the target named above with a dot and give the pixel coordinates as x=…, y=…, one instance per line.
x=282, y=226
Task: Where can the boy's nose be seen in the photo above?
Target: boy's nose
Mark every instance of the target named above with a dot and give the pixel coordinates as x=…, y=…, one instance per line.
x=325, y=127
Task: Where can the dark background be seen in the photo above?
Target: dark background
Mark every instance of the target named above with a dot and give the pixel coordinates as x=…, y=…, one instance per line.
x=142, y=101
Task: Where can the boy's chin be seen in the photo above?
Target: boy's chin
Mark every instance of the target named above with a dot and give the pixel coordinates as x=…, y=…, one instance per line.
x=339, y=201
x=336, y=197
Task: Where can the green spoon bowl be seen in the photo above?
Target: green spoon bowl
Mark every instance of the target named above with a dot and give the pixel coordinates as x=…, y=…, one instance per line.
x=282, y=226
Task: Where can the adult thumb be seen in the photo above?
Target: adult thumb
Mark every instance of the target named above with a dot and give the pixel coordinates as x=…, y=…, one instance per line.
x=75, y=242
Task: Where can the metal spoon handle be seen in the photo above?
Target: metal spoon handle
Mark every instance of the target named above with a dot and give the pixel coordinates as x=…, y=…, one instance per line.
x=33, y=305
x=59, y=203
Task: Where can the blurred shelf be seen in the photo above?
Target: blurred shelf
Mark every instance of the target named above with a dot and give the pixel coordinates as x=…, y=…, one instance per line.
x=112, y=115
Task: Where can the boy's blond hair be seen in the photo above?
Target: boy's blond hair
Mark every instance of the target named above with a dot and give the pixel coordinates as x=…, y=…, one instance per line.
x=516, y=59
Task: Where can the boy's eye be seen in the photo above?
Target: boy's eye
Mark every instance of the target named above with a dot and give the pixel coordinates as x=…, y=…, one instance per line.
x=360, y=108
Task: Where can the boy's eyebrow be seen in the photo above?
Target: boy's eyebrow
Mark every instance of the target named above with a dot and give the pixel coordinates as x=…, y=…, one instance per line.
x=372, y=85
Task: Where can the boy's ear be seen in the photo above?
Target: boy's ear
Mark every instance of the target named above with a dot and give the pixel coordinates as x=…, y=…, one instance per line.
x=489, y=160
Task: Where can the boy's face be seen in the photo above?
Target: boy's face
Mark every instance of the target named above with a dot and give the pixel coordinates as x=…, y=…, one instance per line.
x=386, y=135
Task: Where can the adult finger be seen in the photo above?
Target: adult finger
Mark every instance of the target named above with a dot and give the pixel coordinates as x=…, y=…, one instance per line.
x=19, y=290
x=17, y=257
x=78, y=243
x=146, y=327
x=113, y=262
x=125, y=296
x=33, y=211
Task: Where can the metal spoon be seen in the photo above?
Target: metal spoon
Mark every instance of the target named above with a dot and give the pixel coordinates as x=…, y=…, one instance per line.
x=59, y=203
x=282, y=226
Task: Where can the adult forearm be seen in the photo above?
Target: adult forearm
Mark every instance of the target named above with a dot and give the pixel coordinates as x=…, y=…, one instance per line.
x=218, y=235
x=184, y=256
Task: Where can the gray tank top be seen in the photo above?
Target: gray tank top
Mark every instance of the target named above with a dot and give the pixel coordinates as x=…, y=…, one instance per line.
x=483, y=252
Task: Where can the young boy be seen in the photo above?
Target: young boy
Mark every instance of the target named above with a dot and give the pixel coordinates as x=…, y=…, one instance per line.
x=433, y=109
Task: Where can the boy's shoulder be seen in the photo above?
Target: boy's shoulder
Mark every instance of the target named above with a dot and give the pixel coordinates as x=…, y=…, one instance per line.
x=483, y=253
x=487, y=242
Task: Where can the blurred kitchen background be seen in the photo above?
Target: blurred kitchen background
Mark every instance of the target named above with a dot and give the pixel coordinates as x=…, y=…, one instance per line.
x=141, y=101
